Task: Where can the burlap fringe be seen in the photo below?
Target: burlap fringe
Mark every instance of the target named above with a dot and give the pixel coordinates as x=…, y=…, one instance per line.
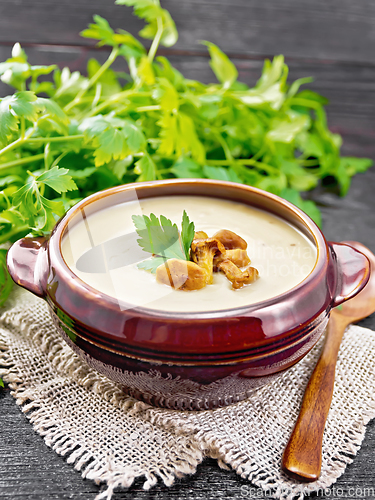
x=248, y=468
x=64, y=360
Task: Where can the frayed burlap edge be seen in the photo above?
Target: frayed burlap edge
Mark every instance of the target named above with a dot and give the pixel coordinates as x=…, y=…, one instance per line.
x=16, y=321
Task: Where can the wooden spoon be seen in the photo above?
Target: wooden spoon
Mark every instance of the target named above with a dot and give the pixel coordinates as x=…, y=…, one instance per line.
x=302, y=459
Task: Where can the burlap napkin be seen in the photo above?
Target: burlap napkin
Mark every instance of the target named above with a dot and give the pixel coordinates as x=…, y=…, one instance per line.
x=112, y=438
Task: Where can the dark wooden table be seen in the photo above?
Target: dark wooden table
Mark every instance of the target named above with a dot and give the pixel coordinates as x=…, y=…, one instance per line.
x=331, y=41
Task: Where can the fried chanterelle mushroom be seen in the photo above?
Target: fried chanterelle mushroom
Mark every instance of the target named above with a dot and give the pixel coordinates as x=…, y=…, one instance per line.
x=225, y=252
x=230, y=239
x=200, y=235
x=235, y=255
x=237, y=277
x=203, y=252
x=235, y=249
x=181, y=275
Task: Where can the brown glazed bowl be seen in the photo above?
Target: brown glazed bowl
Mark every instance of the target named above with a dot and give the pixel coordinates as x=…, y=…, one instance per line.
x=197, y=360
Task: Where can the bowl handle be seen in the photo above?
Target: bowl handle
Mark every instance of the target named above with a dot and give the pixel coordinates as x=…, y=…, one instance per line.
x=27, y=264
x=353, y=271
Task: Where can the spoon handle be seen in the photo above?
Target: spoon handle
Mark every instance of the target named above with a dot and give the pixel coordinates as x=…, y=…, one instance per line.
x=302, y=459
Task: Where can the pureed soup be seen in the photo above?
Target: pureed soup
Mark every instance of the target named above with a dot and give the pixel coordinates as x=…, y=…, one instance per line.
x=102, y=250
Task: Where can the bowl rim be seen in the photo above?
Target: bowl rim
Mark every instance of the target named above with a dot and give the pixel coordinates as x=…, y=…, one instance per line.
x=92, y=293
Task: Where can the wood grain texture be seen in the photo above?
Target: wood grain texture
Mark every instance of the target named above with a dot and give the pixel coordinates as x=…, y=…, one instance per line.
x=29, y=470
x=338, y=30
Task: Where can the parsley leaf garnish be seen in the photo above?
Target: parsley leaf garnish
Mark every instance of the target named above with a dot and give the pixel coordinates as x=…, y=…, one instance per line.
x=159, y=237
x=152, y=264
x=162, y=238
x=187, y=234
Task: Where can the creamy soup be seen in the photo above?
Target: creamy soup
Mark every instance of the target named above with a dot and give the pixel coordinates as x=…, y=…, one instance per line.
x=102, y=250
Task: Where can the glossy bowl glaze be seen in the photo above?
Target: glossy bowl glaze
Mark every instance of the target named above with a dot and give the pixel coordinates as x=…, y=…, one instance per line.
x=189, y=360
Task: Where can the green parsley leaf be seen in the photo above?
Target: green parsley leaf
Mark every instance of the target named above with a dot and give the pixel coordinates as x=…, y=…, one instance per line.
x=68, y=84
x=166, y=94
x=23, y=104
x=158, y=19
x=28, y=106
x=146, y=169
x=187, y=168
x=355, y=165
x=8, y=122
x=51, y=107
x=151, y=264
x=220, y=173
x=40, y=212
x=162, y=238
x=16, y=70
x=225, y=71
x=100, y=30
x=6, y=282
x=57, y=179
x=111, y=138
x=286, y=130
x=159, y=237
x=187, y=234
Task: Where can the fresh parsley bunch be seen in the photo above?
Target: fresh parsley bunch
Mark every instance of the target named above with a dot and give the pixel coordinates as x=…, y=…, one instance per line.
x=65, y=137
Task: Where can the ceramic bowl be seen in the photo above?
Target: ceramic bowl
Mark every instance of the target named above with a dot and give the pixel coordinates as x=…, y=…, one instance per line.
x=190, y=360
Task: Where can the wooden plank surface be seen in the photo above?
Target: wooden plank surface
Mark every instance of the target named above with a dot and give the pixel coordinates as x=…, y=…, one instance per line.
x=336, y=29
x=333, y=41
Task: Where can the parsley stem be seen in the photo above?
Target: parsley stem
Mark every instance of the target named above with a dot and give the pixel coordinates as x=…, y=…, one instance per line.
x=17, y=229
x=112, y=56
x=47, y=147
x=305, y=102
x=7, y=200
x=33, y=140
x=61, y=138
x=156, y=107
x=115, y=99
x=17, y=142
x=259, y=153
x=98, y=93
x=22, y=127
x=224, y=145
x=12, y=145
x=100, y=107
x=21, y=161
x=156, y=40
x=248, y=161
x=56, y=160
x=308, y=163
